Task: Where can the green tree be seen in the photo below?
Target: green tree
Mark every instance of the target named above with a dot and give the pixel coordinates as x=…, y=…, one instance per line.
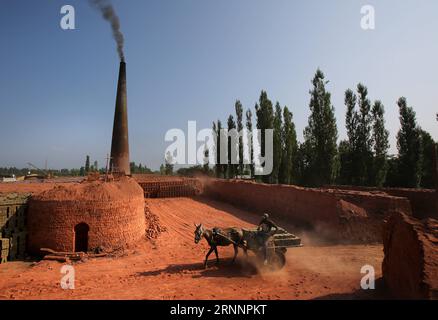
x=193, y=171
x=278, y=145
x=364, y=142
x=427, y=170
x=133, y=167
x=265, y=120
x=250, y=139
x=216, y=132
x=320, y=135
x=231, y=168
x=87, y=164
x=239, y=116
x=409, y=146
x=392, y=175
x=206, y=166
x=346, y=164
x=356, y=157
x=347, y=148
x=288, y=170
x=168, y=166
x=381, y=145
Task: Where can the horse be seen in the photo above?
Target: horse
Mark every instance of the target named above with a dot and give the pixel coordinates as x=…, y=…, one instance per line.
x=223, y=238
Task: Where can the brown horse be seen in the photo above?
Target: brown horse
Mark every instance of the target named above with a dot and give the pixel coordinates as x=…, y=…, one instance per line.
x=222, y=237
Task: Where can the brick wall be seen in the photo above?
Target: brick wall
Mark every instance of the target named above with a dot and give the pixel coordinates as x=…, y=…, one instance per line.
x=423, y=202
x=167, y=186
x=13, y=220
x=337, y=216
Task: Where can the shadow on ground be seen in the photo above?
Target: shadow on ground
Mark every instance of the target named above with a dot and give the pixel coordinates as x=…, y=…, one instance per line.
x=225, y=269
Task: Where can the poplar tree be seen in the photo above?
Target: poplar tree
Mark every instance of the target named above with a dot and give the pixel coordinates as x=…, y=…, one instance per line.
x=219, y=168
x=231, y=168
x=320, y=135
x=87, y=164
x=345, y=162
x=356, y=154
x=288, y=172
x=364, y=142
x=381, y=145
x=409, y=146
x=278, y=146
x=206, y=166
x=250, y=140
x=239, y=116
x=427, y=171
x=348, y=148
x=265, y=120
x=168, y=164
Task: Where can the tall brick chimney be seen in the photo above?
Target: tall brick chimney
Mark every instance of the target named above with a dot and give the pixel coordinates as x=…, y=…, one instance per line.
x=120, y=142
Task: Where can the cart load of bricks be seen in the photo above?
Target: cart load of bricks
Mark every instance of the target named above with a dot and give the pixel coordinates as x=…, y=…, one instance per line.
x=168, y=187
x=13, y=216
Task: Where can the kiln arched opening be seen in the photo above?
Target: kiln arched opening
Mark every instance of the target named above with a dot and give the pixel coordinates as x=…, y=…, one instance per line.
x=81, y=237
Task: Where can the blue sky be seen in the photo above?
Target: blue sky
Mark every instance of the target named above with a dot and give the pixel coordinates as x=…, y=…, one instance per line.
x=190, y=60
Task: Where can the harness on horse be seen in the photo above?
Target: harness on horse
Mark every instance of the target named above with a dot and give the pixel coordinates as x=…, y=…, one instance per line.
x=218, y=232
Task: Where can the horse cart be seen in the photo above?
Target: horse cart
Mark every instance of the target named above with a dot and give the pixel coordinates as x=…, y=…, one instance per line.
x=277, y=246
x=253, y=240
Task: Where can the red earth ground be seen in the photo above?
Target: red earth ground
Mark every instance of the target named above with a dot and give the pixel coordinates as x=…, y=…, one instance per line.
x=37, y=186
x=170, y=267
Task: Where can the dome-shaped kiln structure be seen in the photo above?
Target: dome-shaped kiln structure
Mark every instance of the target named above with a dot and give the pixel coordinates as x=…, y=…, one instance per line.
x=86, y=216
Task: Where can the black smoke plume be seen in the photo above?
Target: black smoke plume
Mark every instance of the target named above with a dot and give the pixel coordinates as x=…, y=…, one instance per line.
x=110, y=15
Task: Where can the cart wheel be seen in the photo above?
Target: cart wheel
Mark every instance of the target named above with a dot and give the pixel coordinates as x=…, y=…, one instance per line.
x=277, y=260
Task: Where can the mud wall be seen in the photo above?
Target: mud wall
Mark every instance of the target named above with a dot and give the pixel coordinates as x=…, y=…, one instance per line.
x=337, y=216
x=113, y=212
x=424, y=202
x=410, y=266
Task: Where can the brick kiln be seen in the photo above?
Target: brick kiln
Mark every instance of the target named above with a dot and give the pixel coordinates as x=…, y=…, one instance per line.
x=87, y=216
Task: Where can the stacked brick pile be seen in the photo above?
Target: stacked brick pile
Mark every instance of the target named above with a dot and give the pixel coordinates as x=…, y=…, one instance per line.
x=13, y=219
x=153, y=226
x=170, y=188
x=4, y=253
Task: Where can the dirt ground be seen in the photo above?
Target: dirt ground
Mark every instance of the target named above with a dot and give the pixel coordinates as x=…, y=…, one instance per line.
x=171, y=266
x=37, y=186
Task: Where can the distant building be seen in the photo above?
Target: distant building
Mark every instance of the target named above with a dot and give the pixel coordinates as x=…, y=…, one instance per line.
x=9, y=179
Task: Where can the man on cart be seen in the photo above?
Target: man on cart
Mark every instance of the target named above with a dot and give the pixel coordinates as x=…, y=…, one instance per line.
x=266, y=229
